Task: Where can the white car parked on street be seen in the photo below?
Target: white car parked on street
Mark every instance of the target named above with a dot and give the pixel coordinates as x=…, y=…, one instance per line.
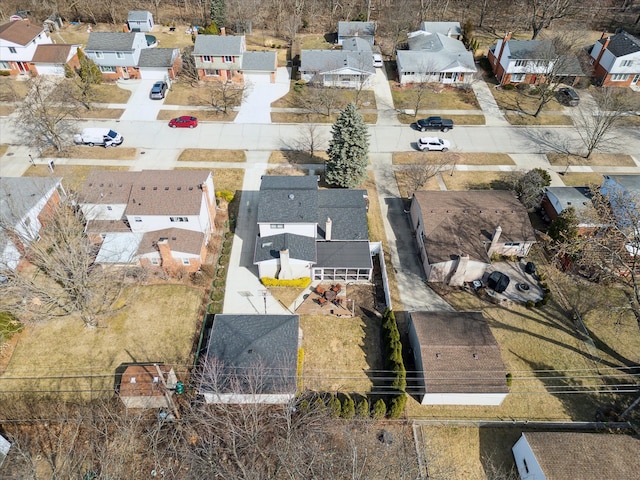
x=434, y=143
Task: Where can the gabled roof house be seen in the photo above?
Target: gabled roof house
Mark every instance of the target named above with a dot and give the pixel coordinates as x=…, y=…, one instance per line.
x=363, y=30
x=116, y=53
x=140, y=21
x=19, y=40
x=564, y=455
x=337, y=68
x=160, y=218
x=435, y=57
x=251, y=359
x=557, y=199
x=304, y=231
x=457, y=359
x=24, y=205
x=50, y=59
x=616, y=60
x=459, y=231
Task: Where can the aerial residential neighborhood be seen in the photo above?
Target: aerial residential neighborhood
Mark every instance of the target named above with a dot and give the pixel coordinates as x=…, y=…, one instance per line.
x=365, y=239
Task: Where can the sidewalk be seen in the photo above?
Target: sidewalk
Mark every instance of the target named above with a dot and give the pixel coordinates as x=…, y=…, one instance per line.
x=493, y=115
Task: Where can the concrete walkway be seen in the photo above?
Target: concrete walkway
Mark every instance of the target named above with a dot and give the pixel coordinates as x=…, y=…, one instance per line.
x=492, y=114
x=387, y=114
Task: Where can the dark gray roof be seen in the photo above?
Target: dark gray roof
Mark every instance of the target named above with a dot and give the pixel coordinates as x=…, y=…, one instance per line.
x=576, y=197
x=622, y=44
x=18, y=195
x=138, y=15
x=347, y=210
x=259, y=61
x=356, y=44
x=528, y=49
x=268, y=343
x=631, y=183
x=288, y=199
x=323, y=61
x=157, y=57
x=218, y=45
x=336, y=254
x=111, y=41
x=299, y=246
x=353, y=29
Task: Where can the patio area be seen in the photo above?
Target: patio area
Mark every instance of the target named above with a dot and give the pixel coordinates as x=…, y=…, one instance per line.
x=327, y=299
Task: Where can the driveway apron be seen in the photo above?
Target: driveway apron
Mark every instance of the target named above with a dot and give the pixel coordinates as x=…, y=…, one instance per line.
x=258, y=96
x=492, y=114
x=140, y=106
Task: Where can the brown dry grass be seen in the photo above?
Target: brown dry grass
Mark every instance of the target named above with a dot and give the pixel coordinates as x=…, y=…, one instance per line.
x=315, y=42
x=12, y=88
x=338, y=352
x=367, y=99
x=212, y=155
x=201, y=115
x=523, y=119
x=291, y=117
x=285, y=295
x=184, y=93
x=94, y=153
x=157, y=325
x=517, y=101
x=3, y=149
x=471, y=119
x=107, y=113
x=405, y=186
x=228, y=178
x=297, y=157
x=596, y=160
x=581, y=179
x=6, y=110
x=110, y=93
x=409, y=158
x=72, y=175
x=475, y=180
x=436, y=98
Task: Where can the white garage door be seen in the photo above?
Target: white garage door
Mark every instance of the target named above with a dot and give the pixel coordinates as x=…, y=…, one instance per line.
x=153, y=73
x=257, y=78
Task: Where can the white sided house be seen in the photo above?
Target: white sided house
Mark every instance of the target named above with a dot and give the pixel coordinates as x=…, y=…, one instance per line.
x=459, y=231
x=616, y=60
x=457, y=358
x=19, y=40
x=337, y=68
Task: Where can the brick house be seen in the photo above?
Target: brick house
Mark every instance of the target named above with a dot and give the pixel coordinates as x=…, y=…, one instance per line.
x=616, y=60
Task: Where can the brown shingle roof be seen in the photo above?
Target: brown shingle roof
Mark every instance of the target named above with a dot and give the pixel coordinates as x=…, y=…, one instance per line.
x=143, y=384
x=459, y=353
x=107, y=226
x=107, y=187
x=20, y=32
x=564, y=455
x=185, y=241
x=463, y=222
x=53, y=53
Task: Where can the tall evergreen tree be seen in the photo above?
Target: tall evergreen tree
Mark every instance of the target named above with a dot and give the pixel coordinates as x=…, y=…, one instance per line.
x=218, y=12
x=348, y=150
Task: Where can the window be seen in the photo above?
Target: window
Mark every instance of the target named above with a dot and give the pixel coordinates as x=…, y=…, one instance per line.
x=179, y=219
x=109, y=207
x=4, y=66
x=99, y=55
x=155, y=261
x=212, y=73
x=119, y=55
x=517, y=77
x=277, y=225
x=512, y=244
x=228, y=59
x=619, y=77
x=521, y=63
x=186, y=261
x=107, y=69
x=12, y=50
x=137, y=219
x=206, y=58
x=626, y=63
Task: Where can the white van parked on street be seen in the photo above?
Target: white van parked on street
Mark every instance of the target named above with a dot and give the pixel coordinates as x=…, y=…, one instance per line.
x=98, y=136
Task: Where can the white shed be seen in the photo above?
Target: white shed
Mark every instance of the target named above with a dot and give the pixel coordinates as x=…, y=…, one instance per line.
x=140, y=21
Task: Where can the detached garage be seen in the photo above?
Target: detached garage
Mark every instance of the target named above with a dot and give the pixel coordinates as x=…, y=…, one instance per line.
x=159, y=63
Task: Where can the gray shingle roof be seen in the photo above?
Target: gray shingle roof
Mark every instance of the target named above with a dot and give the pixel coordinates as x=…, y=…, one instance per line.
x=577, y=197
x=300, y=247
x=564, y=455
x=259, y=61
x=426, y=62
x=459, y=353
x=360, y=29
x=630, y=183
x=157, y=57
x=18, y=195
x=336, y=254
x=347, y=210
x=138, y=15
x=622, y=44
x=529, y=49
x=111, y=41
x=218, y=45
x=324, y=61
x=442, y=27
x=266, y=342
x=356, y=44
x=288, y=199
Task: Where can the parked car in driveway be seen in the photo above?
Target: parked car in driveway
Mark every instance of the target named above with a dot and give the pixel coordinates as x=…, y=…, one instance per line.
x=568, y=96
x=377, y=60
x=434, y=143
x=159, y=90
x=434, y=123
x=183, y=122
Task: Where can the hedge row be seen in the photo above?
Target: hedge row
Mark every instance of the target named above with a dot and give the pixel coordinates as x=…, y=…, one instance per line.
x=394, y=363
x=296, y=282
x=344, y=406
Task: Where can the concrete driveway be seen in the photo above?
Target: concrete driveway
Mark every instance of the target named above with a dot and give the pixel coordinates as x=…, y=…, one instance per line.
x=140, y=106
x=515, y=272
x=258, y=96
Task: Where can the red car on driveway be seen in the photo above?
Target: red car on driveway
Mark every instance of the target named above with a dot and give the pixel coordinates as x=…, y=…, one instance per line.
x=183, y=122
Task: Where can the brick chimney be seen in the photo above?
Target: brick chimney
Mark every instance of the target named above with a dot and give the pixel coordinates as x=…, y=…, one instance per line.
x=327, y=229
x=223, y=31
x=506, y=38
x=168, y=262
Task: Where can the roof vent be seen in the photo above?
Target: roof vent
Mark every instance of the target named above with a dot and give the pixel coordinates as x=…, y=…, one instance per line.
x=156, y=379
x=155, y=188
x=291, y=196
x=166, y=188
x=250, y=351
x=438, y=356
x=143, y=188
x=133, y=380
x=475, y=356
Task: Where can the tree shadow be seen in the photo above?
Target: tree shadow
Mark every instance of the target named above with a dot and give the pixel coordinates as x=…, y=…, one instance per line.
x=545, y=139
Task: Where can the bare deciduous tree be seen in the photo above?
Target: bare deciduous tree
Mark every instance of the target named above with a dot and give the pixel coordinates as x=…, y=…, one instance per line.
x=541, y=13
x=222, y=96
x=419, y=174
x=311, y=139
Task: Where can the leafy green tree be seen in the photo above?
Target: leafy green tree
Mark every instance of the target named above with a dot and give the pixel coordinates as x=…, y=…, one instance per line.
x=348, y=150
x=564, y=227
x=217, y=10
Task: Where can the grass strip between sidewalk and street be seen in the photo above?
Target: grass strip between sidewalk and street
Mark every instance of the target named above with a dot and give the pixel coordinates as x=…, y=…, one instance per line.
x=212, y=155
